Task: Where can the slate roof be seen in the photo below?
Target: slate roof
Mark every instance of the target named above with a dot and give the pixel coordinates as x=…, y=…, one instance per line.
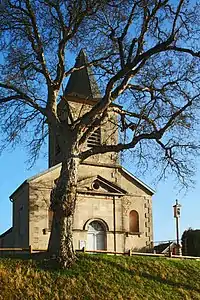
x=164, y=247
x=6, y=232
x=82, y=83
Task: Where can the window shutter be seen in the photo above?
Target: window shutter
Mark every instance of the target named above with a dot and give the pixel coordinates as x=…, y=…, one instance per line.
x=95, y=138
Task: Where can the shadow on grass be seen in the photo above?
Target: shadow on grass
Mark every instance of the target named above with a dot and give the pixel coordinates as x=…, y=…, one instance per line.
x=186, y=286
x=42, y=261
x=170, y=282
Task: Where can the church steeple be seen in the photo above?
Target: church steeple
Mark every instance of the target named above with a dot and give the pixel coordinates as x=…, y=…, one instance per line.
x=81, y=93
x=82, y=83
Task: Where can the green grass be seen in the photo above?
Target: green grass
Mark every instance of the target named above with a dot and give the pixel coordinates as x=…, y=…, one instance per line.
x=101, y=277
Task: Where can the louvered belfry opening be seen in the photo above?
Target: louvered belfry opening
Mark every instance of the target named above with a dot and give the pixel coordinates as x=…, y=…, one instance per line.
x=95, y=138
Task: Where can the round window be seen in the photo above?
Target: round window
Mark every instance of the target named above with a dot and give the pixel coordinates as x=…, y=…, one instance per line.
x=96, y=185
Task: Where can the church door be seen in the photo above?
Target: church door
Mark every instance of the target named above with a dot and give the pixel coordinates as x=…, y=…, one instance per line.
x=96, y=239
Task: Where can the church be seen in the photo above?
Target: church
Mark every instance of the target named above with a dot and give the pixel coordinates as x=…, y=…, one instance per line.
x=113, y=207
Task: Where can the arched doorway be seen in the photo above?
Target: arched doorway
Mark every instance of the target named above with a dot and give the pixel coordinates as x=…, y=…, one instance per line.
x=96, y=237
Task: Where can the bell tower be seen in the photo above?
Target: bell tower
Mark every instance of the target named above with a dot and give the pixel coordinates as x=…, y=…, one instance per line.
x=81, y=93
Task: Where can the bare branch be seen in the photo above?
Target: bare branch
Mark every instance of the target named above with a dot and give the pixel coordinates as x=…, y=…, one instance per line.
x=156, y=134
x=20, y=95
x=184, y=50
x=38, y=47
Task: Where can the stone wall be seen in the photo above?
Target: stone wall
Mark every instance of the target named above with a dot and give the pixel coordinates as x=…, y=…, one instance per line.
x=19, y=235
x=31, y=206
x=95, y=207
x=109, y=133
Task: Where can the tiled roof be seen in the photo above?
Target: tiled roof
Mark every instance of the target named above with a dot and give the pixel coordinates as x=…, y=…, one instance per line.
x=82, y=83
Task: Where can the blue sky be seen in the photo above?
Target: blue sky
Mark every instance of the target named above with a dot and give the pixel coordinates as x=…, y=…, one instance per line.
x=13, y=171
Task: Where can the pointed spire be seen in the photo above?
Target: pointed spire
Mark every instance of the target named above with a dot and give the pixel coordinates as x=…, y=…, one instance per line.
x=82, y=82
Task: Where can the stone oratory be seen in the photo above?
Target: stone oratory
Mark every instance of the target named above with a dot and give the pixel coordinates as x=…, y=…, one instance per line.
x=113, y=207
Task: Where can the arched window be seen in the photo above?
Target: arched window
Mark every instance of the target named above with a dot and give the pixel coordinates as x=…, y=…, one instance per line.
x=96, y=237
x=133, y=221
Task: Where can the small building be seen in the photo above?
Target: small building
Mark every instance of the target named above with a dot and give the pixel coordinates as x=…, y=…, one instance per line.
x=113, y=207
x=164, y=248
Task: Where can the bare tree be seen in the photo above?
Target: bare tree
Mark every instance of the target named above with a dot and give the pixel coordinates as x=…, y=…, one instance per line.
x=146, y=54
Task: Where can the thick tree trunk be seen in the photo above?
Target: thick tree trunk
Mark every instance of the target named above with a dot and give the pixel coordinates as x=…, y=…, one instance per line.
x=63, y=200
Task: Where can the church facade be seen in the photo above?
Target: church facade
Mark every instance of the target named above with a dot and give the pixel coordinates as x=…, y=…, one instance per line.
x=113, y=208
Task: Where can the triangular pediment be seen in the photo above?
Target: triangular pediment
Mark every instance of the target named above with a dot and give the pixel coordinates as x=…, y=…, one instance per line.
x=99, y=185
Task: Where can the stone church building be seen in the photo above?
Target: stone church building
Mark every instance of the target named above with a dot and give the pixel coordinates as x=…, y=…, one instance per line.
x=113, y=207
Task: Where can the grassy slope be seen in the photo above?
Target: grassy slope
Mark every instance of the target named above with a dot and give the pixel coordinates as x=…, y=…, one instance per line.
x=101, y=277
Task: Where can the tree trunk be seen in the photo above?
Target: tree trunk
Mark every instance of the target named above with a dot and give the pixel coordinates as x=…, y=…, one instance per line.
x=63, y=200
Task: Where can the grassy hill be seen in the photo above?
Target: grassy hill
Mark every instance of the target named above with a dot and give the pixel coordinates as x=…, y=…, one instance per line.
x=101, y=277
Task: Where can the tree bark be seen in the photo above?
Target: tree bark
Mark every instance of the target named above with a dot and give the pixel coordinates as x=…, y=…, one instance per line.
x=63, y=200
